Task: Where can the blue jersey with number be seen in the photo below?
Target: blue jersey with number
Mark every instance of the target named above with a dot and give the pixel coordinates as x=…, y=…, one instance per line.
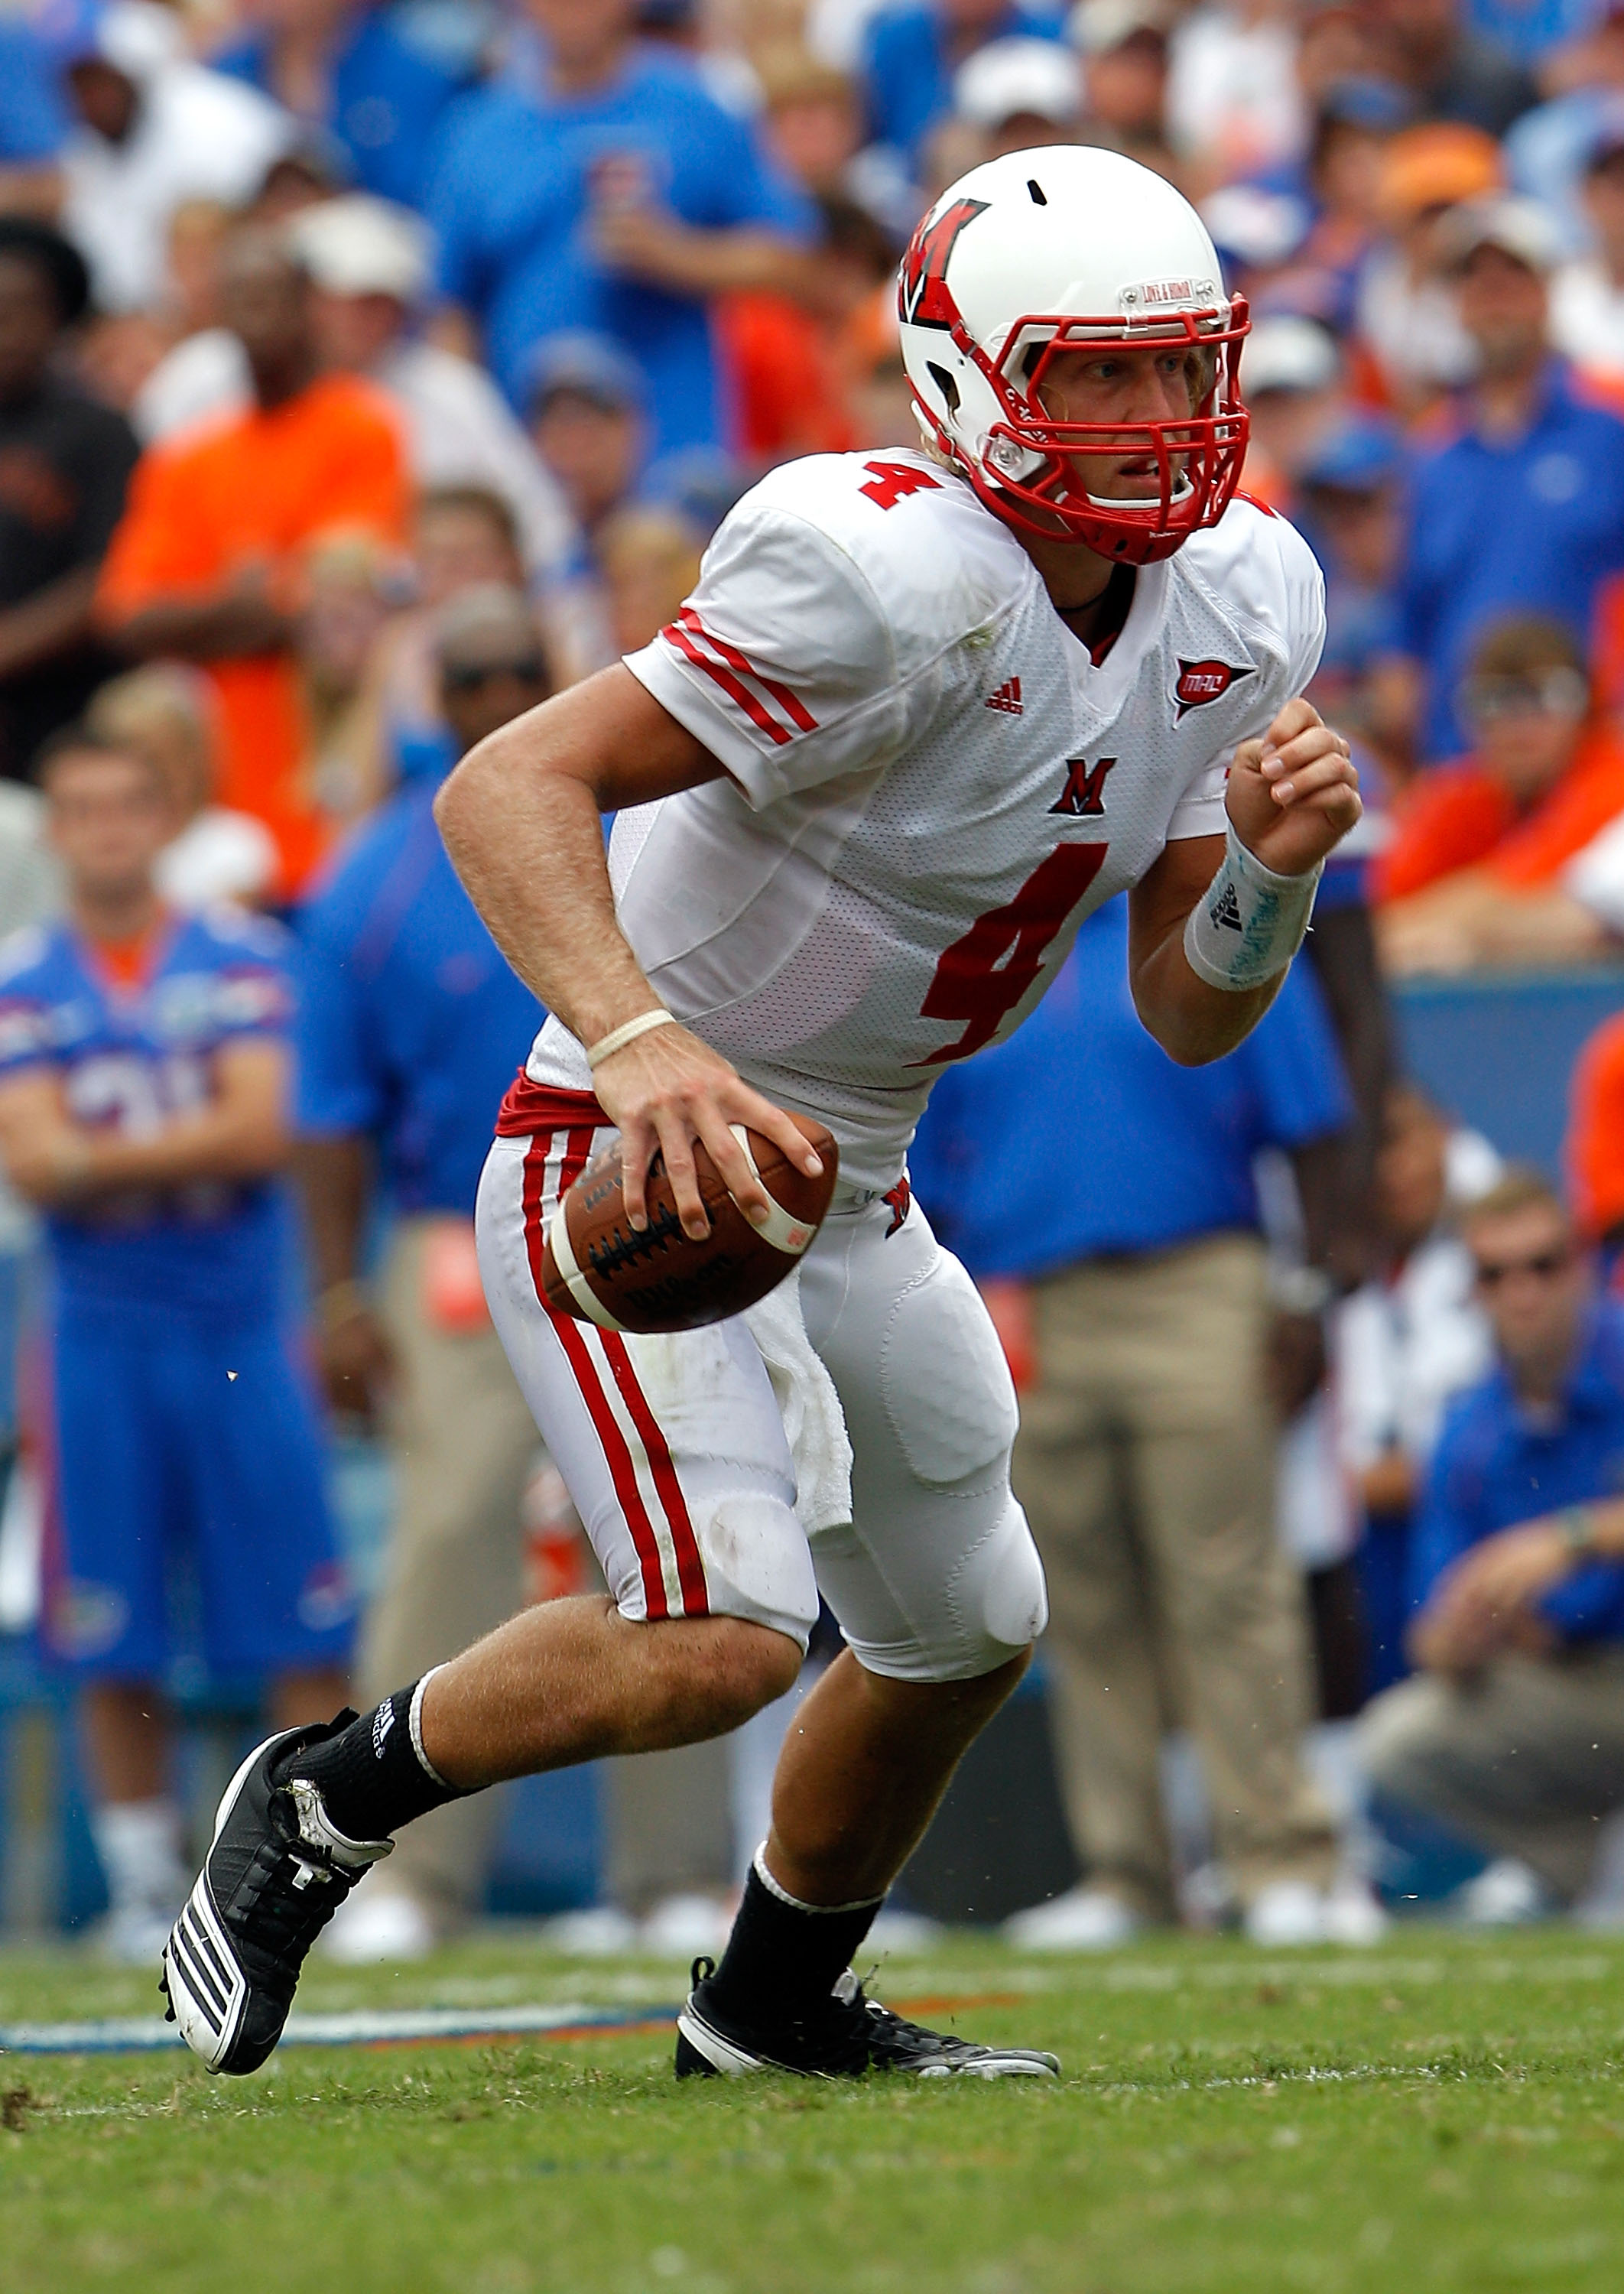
x=130, y=1060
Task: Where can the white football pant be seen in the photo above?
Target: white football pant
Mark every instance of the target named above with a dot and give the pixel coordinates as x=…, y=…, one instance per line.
x=676, y=1456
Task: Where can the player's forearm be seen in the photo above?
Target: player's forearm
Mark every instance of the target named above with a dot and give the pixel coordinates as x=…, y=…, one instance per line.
x=520, y=820
x=1194, y=1023
x=534, y=868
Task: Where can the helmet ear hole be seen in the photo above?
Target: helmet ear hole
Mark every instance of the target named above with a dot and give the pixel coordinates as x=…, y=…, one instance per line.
x=945, y=383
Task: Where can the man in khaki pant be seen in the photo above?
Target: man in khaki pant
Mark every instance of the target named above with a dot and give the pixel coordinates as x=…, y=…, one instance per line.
x=411, y=1027
x=1512, y=1729
x=1105, y=1199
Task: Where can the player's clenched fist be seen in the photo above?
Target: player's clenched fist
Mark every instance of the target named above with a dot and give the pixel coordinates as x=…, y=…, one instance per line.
x=1293, y=795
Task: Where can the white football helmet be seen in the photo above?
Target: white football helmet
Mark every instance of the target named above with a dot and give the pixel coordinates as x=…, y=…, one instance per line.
x=1062, y=248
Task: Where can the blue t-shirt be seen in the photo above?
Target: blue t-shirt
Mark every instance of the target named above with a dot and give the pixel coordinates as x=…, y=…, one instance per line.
x=510, y=196
x=1080, y=1135
x=130, y=1058
x=411, y=1026
x=907, y=76
x=33, y=122
x=1494, y=1466
x=1529, y=29
x=1533, y=525
x=385, y=101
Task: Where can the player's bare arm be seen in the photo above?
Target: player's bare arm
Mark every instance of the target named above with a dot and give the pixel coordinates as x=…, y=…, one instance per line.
x=520, y=818
x=1291, y=797
x=241, y=1134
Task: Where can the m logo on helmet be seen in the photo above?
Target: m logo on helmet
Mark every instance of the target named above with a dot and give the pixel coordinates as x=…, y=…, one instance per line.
x=1201, y=682
x=922, y=292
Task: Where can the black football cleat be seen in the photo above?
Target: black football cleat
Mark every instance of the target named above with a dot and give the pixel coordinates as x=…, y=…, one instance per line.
x=276, y=1872
x=849, y=2036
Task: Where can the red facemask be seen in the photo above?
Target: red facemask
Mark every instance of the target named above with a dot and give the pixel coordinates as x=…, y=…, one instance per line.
x=1196, y=458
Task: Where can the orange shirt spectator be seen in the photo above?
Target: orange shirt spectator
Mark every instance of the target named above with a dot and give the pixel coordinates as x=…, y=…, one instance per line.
x=1546, y=778
x=1464, y=816
x=205, y=565
x=785, y=384
x=254, y=491
x=1595, y=1131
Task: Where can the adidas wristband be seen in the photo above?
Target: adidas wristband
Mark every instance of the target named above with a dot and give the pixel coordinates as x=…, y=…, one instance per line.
x=1249, y=922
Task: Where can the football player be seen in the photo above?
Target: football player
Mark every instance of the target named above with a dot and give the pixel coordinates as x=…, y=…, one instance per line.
x=924, y=711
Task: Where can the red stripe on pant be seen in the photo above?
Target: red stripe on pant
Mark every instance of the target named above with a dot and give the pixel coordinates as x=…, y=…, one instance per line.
x=690, y=1568
x=572, y=1337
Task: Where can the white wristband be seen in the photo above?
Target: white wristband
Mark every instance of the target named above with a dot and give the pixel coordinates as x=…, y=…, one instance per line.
x=1249, y=922
x=617, y=1040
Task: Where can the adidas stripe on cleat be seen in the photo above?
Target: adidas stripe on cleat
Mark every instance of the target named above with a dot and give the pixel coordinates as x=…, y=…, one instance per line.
x=849, y=2036
x=276, y=1871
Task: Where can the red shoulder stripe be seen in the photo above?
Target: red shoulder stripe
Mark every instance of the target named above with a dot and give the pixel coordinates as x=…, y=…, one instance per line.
x=794, y=708
x=753, y=709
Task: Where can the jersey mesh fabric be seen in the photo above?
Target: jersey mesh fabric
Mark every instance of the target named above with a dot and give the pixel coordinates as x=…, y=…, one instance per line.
x=912, y=735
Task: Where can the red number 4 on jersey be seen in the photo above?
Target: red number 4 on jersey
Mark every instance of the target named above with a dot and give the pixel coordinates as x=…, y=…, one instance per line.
x=983, y=976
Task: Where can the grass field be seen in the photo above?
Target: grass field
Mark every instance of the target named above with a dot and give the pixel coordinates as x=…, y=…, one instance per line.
x=1442, y=2114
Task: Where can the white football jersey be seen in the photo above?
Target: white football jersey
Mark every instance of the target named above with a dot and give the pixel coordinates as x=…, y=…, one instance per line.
x=930, y=784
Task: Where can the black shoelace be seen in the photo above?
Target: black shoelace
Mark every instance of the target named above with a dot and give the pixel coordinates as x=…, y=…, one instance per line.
x=279, y=1913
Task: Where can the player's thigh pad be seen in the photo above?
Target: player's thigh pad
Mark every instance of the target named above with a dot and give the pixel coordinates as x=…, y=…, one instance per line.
x=672, y=1447
x=938, y=1577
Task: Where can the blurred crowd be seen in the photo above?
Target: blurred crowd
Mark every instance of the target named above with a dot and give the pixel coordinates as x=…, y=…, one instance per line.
x=368, y=372
x=529, y=291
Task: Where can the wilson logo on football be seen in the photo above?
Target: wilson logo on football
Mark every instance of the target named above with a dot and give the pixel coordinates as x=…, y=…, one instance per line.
x=921, y=290
x=1201, y=682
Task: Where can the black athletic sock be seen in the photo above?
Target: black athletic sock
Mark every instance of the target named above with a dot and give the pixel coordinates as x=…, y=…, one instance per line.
x=374, y=1775
x=784, y=1957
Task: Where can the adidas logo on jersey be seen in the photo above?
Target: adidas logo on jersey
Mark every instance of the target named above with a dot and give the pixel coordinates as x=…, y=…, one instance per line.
x=1007, y=698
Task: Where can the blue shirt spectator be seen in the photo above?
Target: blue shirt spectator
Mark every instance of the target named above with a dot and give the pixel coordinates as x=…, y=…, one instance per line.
x=33, y=118
x=1528, y=29
x=911, y=52
x=384, y=98
x=513, y=191
x=1499, y=1463
x=1160, y=1154
x=1497, y=526
x=412, y=1024
x=131, y=1056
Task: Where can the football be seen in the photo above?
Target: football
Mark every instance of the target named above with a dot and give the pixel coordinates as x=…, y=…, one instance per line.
x=597, y=1268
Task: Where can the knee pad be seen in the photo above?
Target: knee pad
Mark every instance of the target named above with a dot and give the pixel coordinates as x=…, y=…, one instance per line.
x=999, y=1595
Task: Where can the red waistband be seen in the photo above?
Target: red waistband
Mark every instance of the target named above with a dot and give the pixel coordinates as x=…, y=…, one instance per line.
x=530, y=1107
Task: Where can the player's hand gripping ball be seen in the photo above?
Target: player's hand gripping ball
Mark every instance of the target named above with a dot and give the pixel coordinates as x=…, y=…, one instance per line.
x=596, y=1267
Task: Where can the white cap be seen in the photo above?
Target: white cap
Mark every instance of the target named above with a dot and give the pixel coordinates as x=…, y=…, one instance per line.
x=358, y=245
x=1288, y=353
x=1096, y=27
x=1010, y=76
x=1521, y=228
x=139, y=40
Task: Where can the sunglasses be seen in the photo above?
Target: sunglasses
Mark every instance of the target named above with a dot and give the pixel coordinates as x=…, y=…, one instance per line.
x=1547, y=1265
x=469, y=676
x=1555, y=693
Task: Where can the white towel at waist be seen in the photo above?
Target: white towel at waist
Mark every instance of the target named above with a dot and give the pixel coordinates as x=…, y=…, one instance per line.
x=813, y=1419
